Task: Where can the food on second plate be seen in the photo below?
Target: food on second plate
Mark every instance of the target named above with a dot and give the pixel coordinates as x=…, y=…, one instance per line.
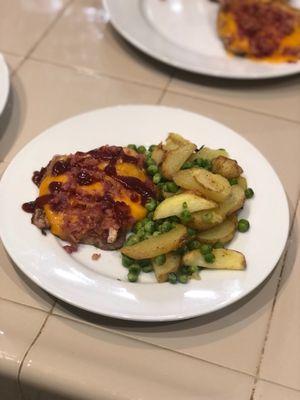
x=266, y=30
x=170, y=209
x=93, y=197
x=193, y=217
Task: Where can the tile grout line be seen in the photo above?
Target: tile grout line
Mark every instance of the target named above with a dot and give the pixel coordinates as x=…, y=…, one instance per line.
x=281, y=385
x=27, y=305
x=43, y=35
x=274, y=302
x=165, y=89
x=172, y=91
x=30, y=347
x=93, y=73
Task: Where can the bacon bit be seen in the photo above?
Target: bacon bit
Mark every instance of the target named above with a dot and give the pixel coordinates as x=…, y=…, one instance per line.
x=96, y=256
x=72, y=248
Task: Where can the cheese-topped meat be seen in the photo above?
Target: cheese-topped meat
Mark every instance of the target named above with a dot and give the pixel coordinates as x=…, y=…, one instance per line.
x=92, y=197
x=268, y=30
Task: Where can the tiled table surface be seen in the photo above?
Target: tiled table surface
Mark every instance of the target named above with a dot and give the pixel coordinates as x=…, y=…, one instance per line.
x=65, y=59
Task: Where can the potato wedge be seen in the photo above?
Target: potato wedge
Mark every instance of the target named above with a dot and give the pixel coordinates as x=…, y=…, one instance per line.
x=226, y=167
x=186, y=179
x=172, y=264
x=158, y=154
x=222, y=233
x=208, y=154
x=157, y=245
x=174, y=159
x=212, y=186
x=224, y=259
x=242, y=182
x=206, y=219
x=174, y=205
x=234, y=201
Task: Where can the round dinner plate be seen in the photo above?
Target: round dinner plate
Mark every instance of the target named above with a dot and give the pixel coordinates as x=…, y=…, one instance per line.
x=4, y=83
x=182, y=33
x=101, y=286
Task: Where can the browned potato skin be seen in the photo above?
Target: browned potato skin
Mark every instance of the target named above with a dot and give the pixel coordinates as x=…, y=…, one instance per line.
x=158, y=154
x=172, y=264
x=222, y=233
x=174, y=159
x=226, y=167
x=197, y=221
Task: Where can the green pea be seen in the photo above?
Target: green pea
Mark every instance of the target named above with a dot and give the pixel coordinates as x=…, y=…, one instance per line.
x=133, y=239
x=152, y=147
x=209, y=258
x=152, y=169
x=191, y=232
x=132, y=147
x=185, y=216
x=138, y=226
x=194, y=244
x=233, y=181
x=166, y=226
x=132, y=277
x=160, y=260
x=192, y=269
x=249, y=193
x=149, y=227
x=207, y=217
x=141, y=234
x=172, y=278
x=174, y=219
x=205, y=249
x=135, y=268
x=187, y=165
x=184, y=270
x=243, y=225
x=156, y=233
x=127, y=261
x=150, y=162
x=218, y=245
x=144, y=263
x=156, y=178
x=141, y=149
x=183, y=278
x=147, y=268
x=171, y=187
x=150, y=205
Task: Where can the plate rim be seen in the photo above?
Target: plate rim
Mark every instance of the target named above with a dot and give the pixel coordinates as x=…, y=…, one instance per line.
x=137, y=317
x=5, y=81
x=177, y=64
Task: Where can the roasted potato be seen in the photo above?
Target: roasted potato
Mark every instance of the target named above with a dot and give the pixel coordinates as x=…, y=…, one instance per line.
x=224, y=259
x=186, y=180
x=206, y=219
x=174, y=159
x=174, y=205
x=234, y=201
x=208, y=154
x=222, y=233
x=157, y=245
x=212, y=186
x=158, y=154
x=226, y=167
x=242, y=182
x=172, y=264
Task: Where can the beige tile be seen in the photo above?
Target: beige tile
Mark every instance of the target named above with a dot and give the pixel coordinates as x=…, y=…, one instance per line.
x=278, y=97
x=281, y=362
x=15, y=286
x=22, y=23
x=12, y=61
x=278, y=140
x=270, y=391
x=18, y=327
x=218, y=338
x=2, y=168
x=82, y=362
x=44, y=94
x=83, y=38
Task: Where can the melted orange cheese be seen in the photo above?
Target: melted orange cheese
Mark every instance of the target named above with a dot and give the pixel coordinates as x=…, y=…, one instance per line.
x=56, y=219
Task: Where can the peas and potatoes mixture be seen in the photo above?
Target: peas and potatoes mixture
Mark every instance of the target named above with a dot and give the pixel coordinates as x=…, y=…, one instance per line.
x=194, y=217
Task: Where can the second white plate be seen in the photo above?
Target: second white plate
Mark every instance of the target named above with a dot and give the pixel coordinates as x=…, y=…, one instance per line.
x=183, y=34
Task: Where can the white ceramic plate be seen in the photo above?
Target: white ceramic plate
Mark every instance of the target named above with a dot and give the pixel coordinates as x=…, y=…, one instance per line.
x=94, y=285
x=4, y=83
x=182, y=33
